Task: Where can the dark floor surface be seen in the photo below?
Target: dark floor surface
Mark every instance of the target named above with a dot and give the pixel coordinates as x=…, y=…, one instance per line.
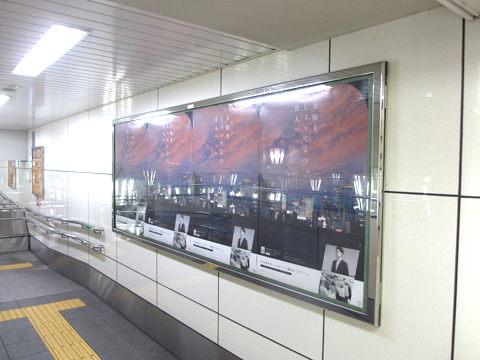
x=106, y=331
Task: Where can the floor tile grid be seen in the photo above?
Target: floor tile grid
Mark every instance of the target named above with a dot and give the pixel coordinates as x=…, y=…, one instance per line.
x=106, y=331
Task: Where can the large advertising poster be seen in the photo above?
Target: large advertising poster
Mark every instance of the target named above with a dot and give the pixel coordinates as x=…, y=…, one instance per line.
x=314, y=146
x=275, y=186
x=37, y=171
x=224, y=161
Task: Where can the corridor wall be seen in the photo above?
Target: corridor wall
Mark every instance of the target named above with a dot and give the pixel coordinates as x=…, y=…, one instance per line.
x=431, y=203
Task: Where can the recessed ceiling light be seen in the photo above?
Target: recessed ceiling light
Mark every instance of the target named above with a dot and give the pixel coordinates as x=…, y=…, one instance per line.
x=4, y=99
x=53, y=45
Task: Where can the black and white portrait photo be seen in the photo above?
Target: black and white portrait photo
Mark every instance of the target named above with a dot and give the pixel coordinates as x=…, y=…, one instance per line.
x=340, y=260
x=181, y=223
x=243, y=238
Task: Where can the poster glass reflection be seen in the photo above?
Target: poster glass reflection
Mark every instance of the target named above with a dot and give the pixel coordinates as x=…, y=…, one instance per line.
x=280, y=186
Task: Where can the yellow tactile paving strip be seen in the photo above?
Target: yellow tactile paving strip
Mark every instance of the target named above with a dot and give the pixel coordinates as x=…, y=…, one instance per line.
x=61, y=339
x=15, y=266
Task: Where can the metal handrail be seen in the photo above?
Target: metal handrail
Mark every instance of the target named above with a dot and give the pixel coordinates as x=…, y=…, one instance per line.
x=84, y=225
x=51, y=230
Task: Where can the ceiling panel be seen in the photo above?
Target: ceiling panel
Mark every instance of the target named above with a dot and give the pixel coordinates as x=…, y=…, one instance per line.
x=133, y=47
x=127, y=52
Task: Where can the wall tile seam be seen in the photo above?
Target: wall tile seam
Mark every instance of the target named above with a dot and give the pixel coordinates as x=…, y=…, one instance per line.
x=188, y=298
x=412, y=193
x=77, y=172
x=461, y=130
x=136, y=271
x=263, y=336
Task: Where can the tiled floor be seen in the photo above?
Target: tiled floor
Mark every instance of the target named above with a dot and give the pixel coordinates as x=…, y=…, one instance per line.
x=104, y=330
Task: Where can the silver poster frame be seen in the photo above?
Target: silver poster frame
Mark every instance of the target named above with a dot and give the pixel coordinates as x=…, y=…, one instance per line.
x=378, y=118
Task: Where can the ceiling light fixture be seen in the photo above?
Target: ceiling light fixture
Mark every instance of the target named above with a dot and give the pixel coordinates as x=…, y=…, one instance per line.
x=460, y=8
x=4, y=99
x=53, y=45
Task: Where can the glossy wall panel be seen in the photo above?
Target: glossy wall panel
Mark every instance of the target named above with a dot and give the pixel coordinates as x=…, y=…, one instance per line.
x=138, y=104
x=78, y=210
x=192, y=314
x=471, y=112
x=100, y=212
x=137, y=283
x=103, y=264
x=467, y=329
x=418, y=274
x=137, y=256
x=59, y=144
x=100, y=134
x=78, y=143
x=423, y=97
x=189, y=91
x=193, y=281
x=59, y=207
x=252, y=346
x=276, y=68
x=273, y=315
x=24, y=186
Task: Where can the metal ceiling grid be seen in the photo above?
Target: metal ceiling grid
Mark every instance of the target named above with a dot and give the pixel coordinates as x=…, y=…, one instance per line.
x=127, y=52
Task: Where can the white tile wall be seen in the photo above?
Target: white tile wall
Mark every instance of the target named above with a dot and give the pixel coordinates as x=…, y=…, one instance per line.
x=196, y=316
x=276, y=68
x=58, y=194
x=59, y=144
x=59, y=207
x=137, y=256
x=44, y=205
x=24, y=185
x=467, y=329
x=103, y=264
x=196, y=282
x=78, y=143
x=471, y=119
x=100, y=135
x=77, y=210
x=100, y=212
x=278, y=317
x=418, y=269
x=138, y=104
x=423, y=100
x=137, y=283
x=189, y=91
x=252, y=346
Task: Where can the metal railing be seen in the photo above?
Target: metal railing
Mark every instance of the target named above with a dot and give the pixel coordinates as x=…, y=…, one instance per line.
x=52, y=230
x=7, y=204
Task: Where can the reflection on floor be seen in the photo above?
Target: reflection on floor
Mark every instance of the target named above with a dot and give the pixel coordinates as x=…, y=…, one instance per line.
x=44, y=315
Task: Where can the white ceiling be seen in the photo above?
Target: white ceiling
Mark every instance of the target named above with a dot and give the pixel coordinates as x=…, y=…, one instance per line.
x=137, y=45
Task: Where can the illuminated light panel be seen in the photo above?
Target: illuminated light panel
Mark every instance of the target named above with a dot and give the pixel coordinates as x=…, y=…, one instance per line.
x=53, y=45
x=4, y=99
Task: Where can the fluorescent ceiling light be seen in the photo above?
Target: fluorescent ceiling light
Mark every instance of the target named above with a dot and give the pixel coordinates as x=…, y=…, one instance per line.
x=53, y=45
x=4, y=99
